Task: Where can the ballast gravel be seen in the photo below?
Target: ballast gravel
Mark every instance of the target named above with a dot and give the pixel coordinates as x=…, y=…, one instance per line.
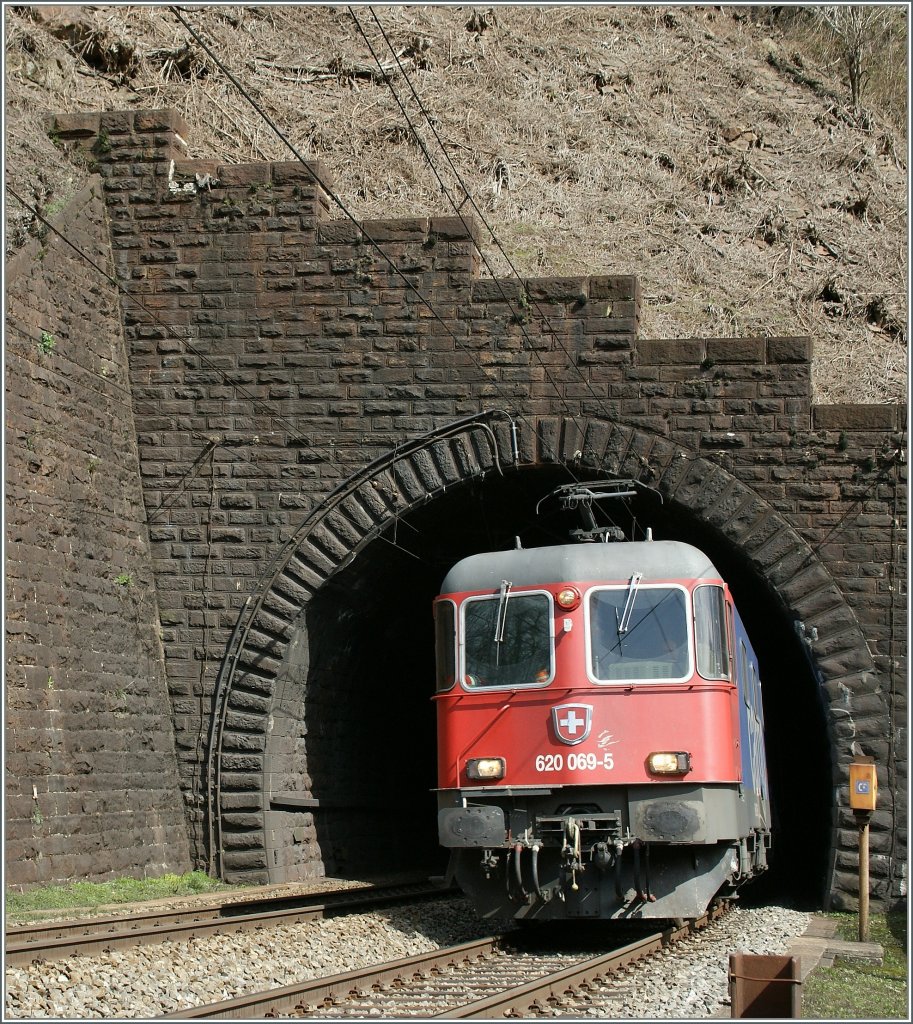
x=691, y=979
x=688, y=981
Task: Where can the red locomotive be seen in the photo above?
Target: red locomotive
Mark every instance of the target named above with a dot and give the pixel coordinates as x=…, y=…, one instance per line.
x=600, y=732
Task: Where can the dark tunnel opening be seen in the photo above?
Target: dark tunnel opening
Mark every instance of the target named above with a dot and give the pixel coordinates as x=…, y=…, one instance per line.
x=372, y=659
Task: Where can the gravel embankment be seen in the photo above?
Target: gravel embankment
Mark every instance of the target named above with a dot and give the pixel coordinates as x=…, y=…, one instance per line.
x=690, y=981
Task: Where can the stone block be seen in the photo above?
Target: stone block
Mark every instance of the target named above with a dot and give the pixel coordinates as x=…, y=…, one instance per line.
x=456, y=229
x=497, y=290
x=242, y=865
x=75, y=126
x=789, y=350
x=233, y=175
x=557, y=289
x=237, y=820
x=167, y=120
x=677, y=351
x=412, y=229
x=617, y=287
x=307, y=172
x=339, y=232
x=856, y=417
x=191, y=168
x=116, y=122
x=241, y=801
x=736, y=350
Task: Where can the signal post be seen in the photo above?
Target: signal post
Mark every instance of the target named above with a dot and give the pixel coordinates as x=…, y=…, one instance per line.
x=863, y=794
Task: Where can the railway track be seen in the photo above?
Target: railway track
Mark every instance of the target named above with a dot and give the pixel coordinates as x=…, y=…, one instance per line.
x=501, y=974
x=55, y=940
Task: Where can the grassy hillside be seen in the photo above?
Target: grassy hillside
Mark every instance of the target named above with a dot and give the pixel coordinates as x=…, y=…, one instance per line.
x=711, y=151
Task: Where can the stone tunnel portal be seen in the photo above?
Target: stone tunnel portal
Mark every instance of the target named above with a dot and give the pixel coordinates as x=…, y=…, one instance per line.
x=360, y=719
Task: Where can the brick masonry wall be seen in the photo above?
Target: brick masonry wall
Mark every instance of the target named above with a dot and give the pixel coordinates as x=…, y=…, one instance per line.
x=277, y=353
x=91, y=776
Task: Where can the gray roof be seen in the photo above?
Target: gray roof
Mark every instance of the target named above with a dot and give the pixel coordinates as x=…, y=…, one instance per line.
x=657, y=560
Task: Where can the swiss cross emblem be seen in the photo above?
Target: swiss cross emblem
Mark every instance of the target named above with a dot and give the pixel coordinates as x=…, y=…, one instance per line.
x=572, y=722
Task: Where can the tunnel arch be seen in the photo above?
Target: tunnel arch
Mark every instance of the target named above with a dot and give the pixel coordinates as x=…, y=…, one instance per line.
x=260, y=807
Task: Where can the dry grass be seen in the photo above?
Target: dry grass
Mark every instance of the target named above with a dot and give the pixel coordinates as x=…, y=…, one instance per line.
x=662, y=142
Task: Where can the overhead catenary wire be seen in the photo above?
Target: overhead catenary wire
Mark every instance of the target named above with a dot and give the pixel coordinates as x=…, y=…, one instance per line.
x=857, y=505
x=43, y=431
x=458, y=209
x=186, y=341
x=430, y=121
x=471, y=200
x=271, y=411
x=457, y=206
x=294, y=431
x=733, y=456
x=26, y=335
x=345, y=211
x=209, y=448
x=207, y=583
x=198, y=462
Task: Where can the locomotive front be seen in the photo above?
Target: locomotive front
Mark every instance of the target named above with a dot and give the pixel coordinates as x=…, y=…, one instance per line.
x=599, y=754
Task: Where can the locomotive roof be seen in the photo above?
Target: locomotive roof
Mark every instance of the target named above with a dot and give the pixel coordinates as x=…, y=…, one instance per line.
x=524, y=567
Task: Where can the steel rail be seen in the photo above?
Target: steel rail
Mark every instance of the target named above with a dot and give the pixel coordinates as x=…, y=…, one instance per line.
x=532, y=996
x=55, y=940
x=537, y=995
x=279, y=1000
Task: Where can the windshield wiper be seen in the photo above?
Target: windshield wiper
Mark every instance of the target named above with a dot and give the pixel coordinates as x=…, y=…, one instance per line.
x=625, y=621
x=501, y=618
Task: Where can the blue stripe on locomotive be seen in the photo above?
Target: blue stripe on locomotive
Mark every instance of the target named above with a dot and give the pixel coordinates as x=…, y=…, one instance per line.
x=751, y=719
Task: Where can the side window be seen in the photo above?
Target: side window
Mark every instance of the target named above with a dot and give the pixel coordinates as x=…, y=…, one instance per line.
x=743, y=671
x=710, y=632
x=445, y=644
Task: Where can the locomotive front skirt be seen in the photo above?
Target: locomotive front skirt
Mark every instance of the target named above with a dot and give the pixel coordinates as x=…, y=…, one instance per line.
x=600, y=733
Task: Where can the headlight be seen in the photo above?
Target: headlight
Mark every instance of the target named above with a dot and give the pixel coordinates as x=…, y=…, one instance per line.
x=486, y=768
x=568, y=598
x=669, y=762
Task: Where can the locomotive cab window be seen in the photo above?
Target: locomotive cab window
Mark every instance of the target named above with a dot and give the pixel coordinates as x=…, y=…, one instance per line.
x=445, y=644
x=507, y=640
x=638, y=633
x=710, y=632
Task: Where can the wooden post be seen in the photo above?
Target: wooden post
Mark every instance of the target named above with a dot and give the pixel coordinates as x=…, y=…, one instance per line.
x=863, y=800
x=862, y=820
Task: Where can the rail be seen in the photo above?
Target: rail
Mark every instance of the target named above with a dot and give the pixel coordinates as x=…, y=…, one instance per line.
x=55, y=940
x=279, y=1000
x=329, y=996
